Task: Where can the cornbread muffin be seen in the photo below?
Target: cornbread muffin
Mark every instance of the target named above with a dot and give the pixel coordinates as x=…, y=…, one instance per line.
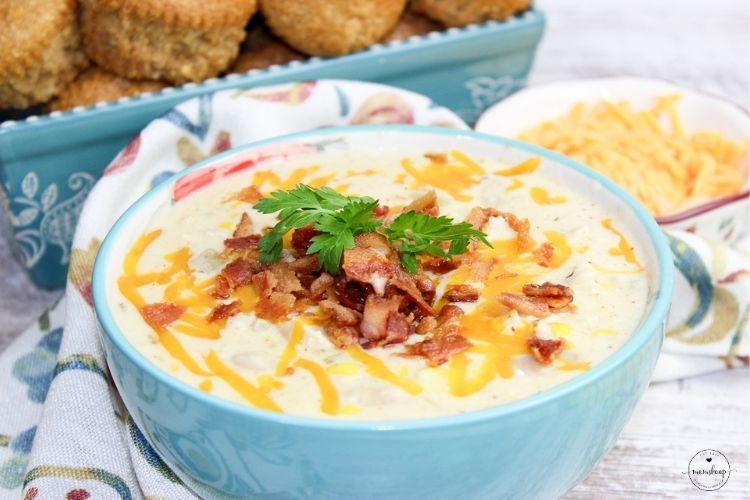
x=463, y=12
x=97, y=85
x=331, y=27
x=412, y=24
x=39, y=50
x=174, y=40
x=261, y=50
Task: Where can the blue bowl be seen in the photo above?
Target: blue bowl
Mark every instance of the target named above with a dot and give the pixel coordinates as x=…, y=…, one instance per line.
x=537, y=447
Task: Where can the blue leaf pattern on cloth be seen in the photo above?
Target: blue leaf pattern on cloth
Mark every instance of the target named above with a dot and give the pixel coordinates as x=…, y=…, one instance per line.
x=13, y=469
x=36, y=368
x=199, y=129
x=343, y=102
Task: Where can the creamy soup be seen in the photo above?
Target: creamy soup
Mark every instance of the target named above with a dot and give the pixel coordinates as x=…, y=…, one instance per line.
x=508, y=348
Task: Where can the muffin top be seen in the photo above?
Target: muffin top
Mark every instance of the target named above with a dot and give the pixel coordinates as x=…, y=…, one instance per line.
x=185, y=13
x=29, y=26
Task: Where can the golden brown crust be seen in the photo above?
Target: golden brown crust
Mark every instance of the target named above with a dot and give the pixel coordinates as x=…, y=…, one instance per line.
x=139, y=43
x=463, y=12
x=97, y=85
x=39, y=50
x=261, y=50
x=206, y=15
x=331, y=27
x=410, y=25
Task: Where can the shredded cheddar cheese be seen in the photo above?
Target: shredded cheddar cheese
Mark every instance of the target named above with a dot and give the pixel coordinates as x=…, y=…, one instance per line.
x=648, y=152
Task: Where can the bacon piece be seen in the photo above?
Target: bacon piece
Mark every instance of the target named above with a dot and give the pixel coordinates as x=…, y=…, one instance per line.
x=375, y=241
x=437, y=157
x=320, y=284
x=250, y=194
x=426, y=287
x=376, y=318
x=302, y=239
x=445, y=340
x=427, y=203
x=438, y=265
x=352, y=293
x=381, y=211
x=533, y=306
x=406, y=283
x=461, y=293
x=244, y=227
x=161, y=314
x=221, y=289
x=342, y=336
x=479, y=217
x=305, y=265
x=545, y=350
x=242, y=242
x=340, y=315
x=276, y=306
x=426, y=324
x=368, y=265
x=557, y=297
x=224, y=311
x=522, y=229
x=239, y=272
x=543, y=255
x=397, y=328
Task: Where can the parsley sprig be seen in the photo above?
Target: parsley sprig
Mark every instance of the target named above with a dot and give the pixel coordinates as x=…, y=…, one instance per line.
x=340, y=218
x=413, y=233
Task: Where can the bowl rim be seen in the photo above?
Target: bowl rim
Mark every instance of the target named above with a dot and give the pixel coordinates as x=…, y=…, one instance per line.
x=652, y=325
x=673, y=218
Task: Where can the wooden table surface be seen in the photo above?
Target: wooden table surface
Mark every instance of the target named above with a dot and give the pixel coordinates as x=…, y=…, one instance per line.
x=705, y=45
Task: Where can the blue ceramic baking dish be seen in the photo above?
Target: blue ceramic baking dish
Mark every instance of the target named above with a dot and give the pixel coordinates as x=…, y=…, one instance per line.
x=49, y=163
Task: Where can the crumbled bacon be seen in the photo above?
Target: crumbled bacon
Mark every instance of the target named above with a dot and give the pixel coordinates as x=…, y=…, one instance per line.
x=161, y=314
x=461, y=293
x=249, y=242
x=426, y=324
x=543, y=255
x=250, y=194
x=426, y=287
x=532, y=306
x=375, y=241
x=224, y=311
x=439, y=265
x=368, y=265
x=522, y=227
x=239, y=272
x=305, y=265
x=381, y=211
x=427, y=203
x=340, y=315
x=555, y=296
x=342, y=336
x=437, y=157
x=406, y=283
x=221, y=289
x=244, y=227
x=352, y=293
x=376, y=318
x=479, y=217
x=320, y=285
x=275, y=307
x=545, y=350
x=445, y=339
x=302, y=239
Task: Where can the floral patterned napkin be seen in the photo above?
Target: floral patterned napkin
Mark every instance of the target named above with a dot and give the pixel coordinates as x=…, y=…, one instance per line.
x=63, y=430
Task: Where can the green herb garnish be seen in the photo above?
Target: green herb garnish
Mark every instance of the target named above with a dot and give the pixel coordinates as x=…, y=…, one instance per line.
x=413, y=233
x=340, y=218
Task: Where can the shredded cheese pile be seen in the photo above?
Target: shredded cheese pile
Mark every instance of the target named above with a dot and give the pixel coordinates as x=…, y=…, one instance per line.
x=648, y=152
